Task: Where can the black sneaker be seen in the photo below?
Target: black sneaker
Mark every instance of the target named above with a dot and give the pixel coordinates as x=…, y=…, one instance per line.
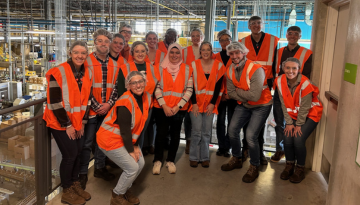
x=227, y=153
x=104, y=174
x=83, y=178
x=220, y=152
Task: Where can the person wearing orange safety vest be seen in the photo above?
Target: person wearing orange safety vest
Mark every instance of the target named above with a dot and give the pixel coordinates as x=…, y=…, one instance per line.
x=170, y=37
x=302, y=111
x=227, y=106
x=119, y=134
x=190, y=54
x=262, y=49
x=207, y=75
x=66, y=113
x=105, y=72
x=246, y=83
x=139, y=50
x=172, y=95
x=304, y=55
x=126, y=31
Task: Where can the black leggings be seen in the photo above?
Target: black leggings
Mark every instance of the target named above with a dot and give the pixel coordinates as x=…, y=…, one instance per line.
x=70, y=151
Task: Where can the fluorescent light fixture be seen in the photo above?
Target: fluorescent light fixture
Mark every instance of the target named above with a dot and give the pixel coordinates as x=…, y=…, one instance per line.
x=41, y=32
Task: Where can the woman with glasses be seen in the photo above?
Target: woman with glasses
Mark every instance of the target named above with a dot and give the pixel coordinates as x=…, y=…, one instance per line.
x=118, y=136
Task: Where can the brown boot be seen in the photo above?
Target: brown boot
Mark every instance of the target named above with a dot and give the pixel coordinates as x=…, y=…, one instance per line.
x=277, y=156
x=288, y=171
x=205, y=164
x=79, y=191
x=234, y=163
x=119, y=199
x=194, y=163
x=299, y=174
x=70, y=197
x=251, y=174
x=130, y=197
x=245, y=154
x=187, y=148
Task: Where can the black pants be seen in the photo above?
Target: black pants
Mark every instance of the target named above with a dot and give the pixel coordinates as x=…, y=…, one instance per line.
x=260, y=139
x=70, y=151
x=164, y=126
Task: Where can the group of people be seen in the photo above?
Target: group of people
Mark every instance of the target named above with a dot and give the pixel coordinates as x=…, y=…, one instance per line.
x=121, y=102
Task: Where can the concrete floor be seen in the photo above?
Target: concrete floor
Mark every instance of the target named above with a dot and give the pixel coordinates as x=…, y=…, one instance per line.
x=211, y=186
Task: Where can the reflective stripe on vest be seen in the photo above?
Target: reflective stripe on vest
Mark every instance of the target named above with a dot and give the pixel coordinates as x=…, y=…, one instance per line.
x=162, y=56
x=185, y=54
x=271, y=51
x=176, y=94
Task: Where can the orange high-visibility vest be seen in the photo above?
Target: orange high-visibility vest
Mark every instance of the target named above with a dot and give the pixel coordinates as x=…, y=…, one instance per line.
x=152, y=75
x=204, y=88
x=73, y=101
x=162, y=47
x=302, y=54
x=293, y=102
x=121, y=60
x=265, y=56
x=131, y=59
x=218, y=57
x=109, y=137
x=112, y=73
x=244, y=83
x=159, y=57
x=188, y=55
x=173, y=91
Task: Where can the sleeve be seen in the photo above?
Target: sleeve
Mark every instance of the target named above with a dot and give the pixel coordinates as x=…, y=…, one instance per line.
x=307, y=67
x=231, y=90
x=188, y=92
x=158, y=94
x=287, y=117
x=124, y=123
x=113, y=96
x=216, y=91
x=86, y=116
x=121, y=83
x=95, y=105
x=55, y=95
x=304, y=109
x=256, y=87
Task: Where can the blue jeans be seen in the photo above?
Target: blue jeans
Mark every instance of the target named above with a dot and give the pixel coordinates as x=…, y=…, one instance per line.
x=89, y=138
x=280, y=122
x=256, y=118
x=200, y=136
x=131, y=168
x=221, y=130
x=187, y=126
x=144, y=140
x=295, y=146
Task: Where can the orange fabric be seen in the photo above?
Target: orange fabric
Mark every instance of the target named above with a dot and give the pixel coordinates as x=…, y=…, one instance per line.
x=162, y=47
x=263, y=55
x=297, y=55
x=74, y=101
x=242, y=84
x=218, y=57
x=150, y=80
x=292, y=102
x=109, y=137
x=131, y=59
x=121, y=60
x=158, y=56
x=173, y=91
x=190, y=55
x=204, y=88
x=125, y=52
x=112, y=74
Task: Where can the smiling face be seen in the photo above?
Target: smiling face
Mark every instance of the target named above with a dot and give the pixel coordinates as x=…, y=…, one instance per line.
x=139, y=54
x=78, y=55
x=291, y=70
x=205, y=51
x=236, y=56
x=255, y=26
x=117, y=45
x=293, y=37
x=102, y=44
x=152, y=41
x=126, y=32
x=224, y=41
x=196, y=38
x=137, y=84
x=174, y=55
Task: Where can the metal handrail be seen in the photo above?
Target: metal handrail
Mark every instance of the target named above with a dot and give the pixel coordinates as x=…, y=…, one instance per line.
x=22, y=106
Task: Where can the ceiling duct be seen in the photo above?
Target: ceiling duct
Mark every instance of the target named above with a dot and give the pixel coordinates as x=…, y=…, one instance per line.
x=292, y=17
x=308, y=14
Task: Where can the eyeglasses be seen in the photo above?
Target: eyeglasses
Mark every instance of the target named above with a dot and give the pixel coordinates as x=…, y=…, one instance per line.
x=101, y=41
x=293, y=33
x=77, y=52
x=120, y=43
x=224, y=40
x=135, y=83
x=255, y=23
x=127, y=32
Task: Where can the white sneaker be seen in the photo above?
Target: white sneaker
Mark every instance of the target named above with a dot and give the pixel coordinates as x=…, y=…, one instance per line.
x=171, y=167
x=156, y=168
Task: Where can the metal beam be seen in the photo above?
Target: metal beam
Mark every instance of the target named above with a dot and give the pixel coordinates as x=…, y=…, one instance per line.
x=229, y=13
x=210, y=21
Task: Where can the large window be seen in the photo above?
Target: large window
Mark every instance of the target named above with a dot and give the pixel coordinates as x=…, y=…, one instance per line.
x=158, y=27
x=140, y=26
x=176, y=26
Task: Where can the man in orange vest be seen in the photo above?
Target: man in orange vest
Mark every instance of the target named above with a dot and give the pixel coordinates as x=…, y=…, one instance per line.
x=126, y=31
x=262, y=49
x=104, y=97
x=170, y=37
x=304, y=55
